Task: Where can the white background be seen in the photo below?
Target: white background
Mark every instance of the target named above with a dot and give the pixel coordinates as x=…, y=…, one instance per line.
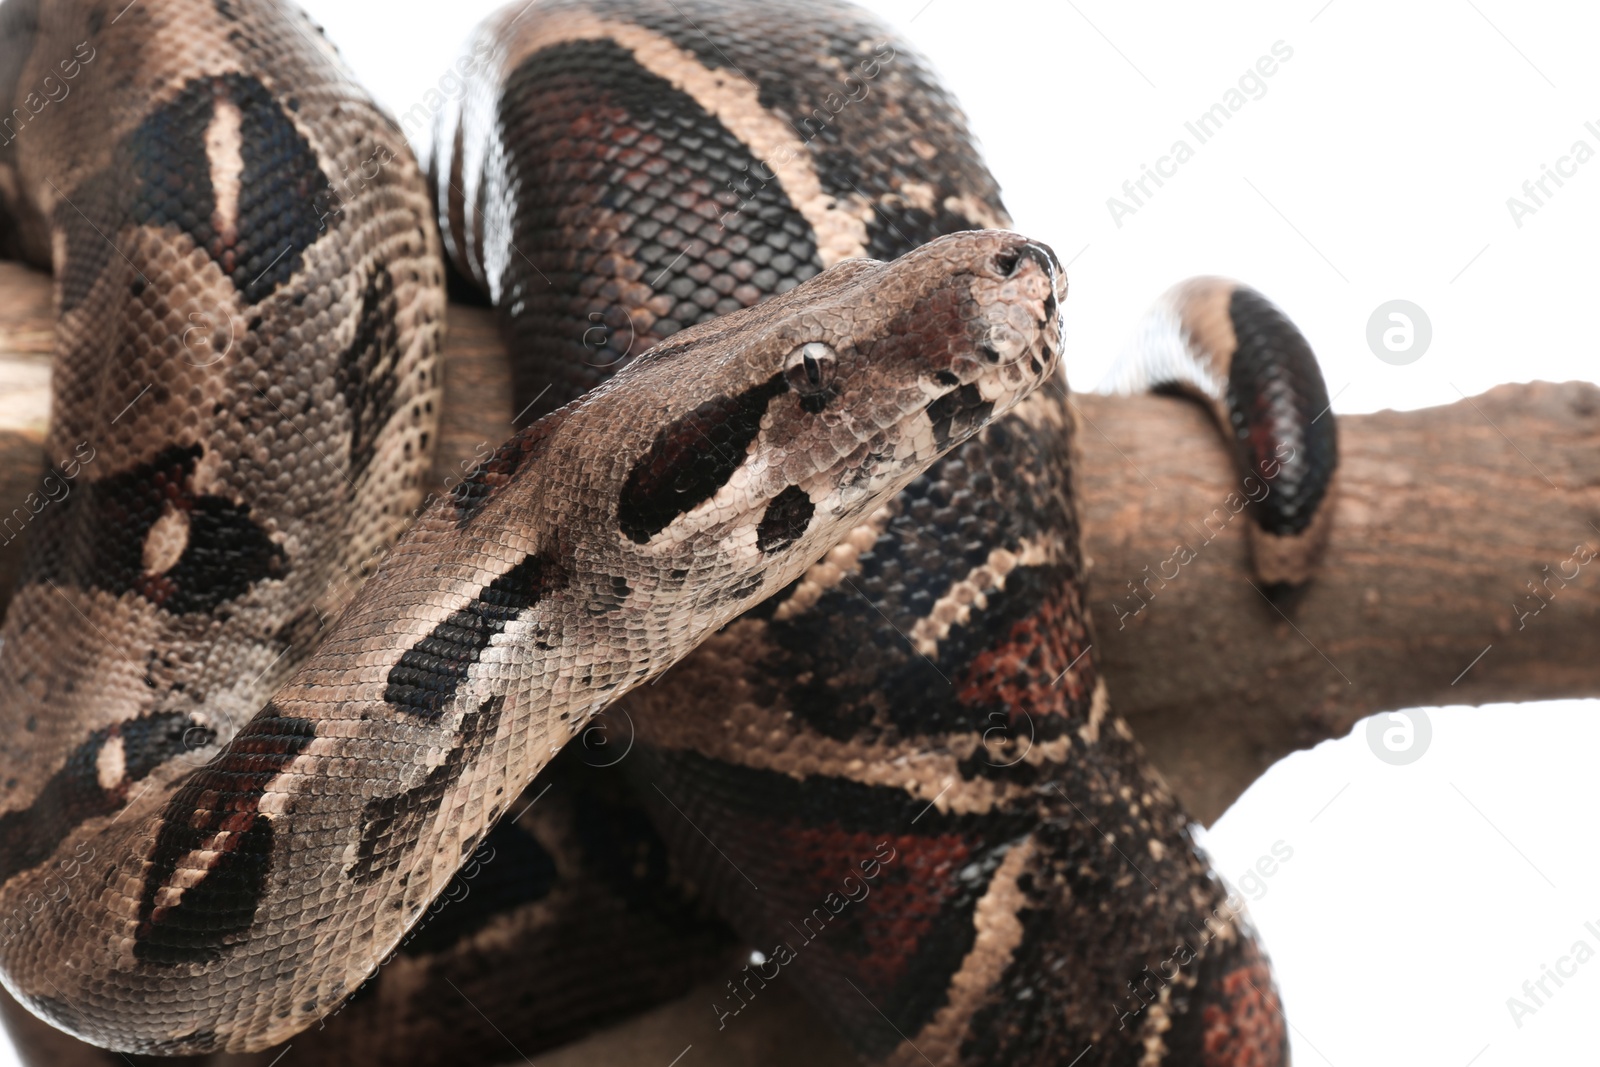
x=1376, y=166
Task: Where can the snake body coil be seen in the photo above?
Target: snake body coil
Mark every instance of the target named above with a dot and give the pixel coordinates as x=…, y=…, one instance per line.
x=830, y=486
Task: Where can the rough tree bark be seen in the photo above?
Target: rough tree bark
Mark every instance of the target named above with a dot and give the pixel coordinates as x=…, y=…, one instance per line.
x=1458, y=570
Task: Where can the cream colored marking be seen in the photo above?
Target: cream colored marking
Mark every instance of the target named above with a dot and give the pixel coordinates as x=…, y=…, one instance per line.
x=1203, y=306
x=839, y=563
x=971, y=593
x=1230, y=919
x=1290, y=558
x=919, y=195
x=227, y=167
x=192, y=869
x=1099, y=704
x=977, y=212
x=840, y=224
x=763, y=739
x=1044, y=408
x=1158, y=1020
x=767, y=738
x=999, y=932
x=111, y=765
x=164, y=544
x=212, y=471
x=1158, y=851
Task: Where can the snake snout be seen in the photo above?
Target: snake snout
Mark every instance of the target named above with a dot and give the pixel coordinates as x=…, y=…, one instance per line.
x=1010, y=260
x=1017, y=326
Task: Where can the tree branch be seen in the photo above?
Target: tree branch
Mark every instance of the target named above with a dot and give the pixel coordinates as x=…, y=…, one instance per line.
x=1443, y=516
x=1442, y=519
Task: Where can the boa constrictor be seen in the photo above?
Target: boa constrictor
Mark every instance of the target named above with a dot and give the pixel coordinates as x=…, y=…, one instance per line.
x=240, y=796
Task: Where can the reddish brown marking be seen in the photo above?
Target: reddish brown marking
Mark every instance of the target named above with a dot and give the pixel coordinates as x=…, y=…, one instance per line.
x=907, y=900
x=651, y=217
x=891, y=937
x=912, y=906
x=1020, y=673
x=1246, y=1029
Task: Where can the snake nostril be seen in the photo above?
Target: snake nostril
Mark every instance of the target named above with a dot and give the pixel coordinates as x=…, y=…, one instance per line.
x=1042, y=255
x=1006, y=262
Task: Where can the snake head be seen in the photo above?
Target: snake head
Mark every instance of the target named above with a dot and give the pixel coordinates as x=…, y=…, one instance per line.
x=770, y=432
x=847, y=384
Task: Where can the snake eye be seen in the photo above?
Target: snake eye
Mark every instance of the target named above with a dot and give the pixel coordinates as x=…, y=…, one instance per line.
x=810, y=368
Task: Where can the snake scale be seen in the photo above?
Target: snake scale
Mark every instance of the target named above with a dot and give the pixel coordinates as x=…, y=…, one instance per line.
x=791, y=414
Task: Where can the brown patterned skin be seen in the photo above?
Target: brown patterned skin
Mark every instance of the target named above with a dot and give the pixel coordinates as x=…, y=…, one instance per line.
x=927, y=692
x=959, y=848
x=1247, y=1015
x=228, y=906
x=1228, y=346
x=689, y=161
x=244, y=393
x=509, y=950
